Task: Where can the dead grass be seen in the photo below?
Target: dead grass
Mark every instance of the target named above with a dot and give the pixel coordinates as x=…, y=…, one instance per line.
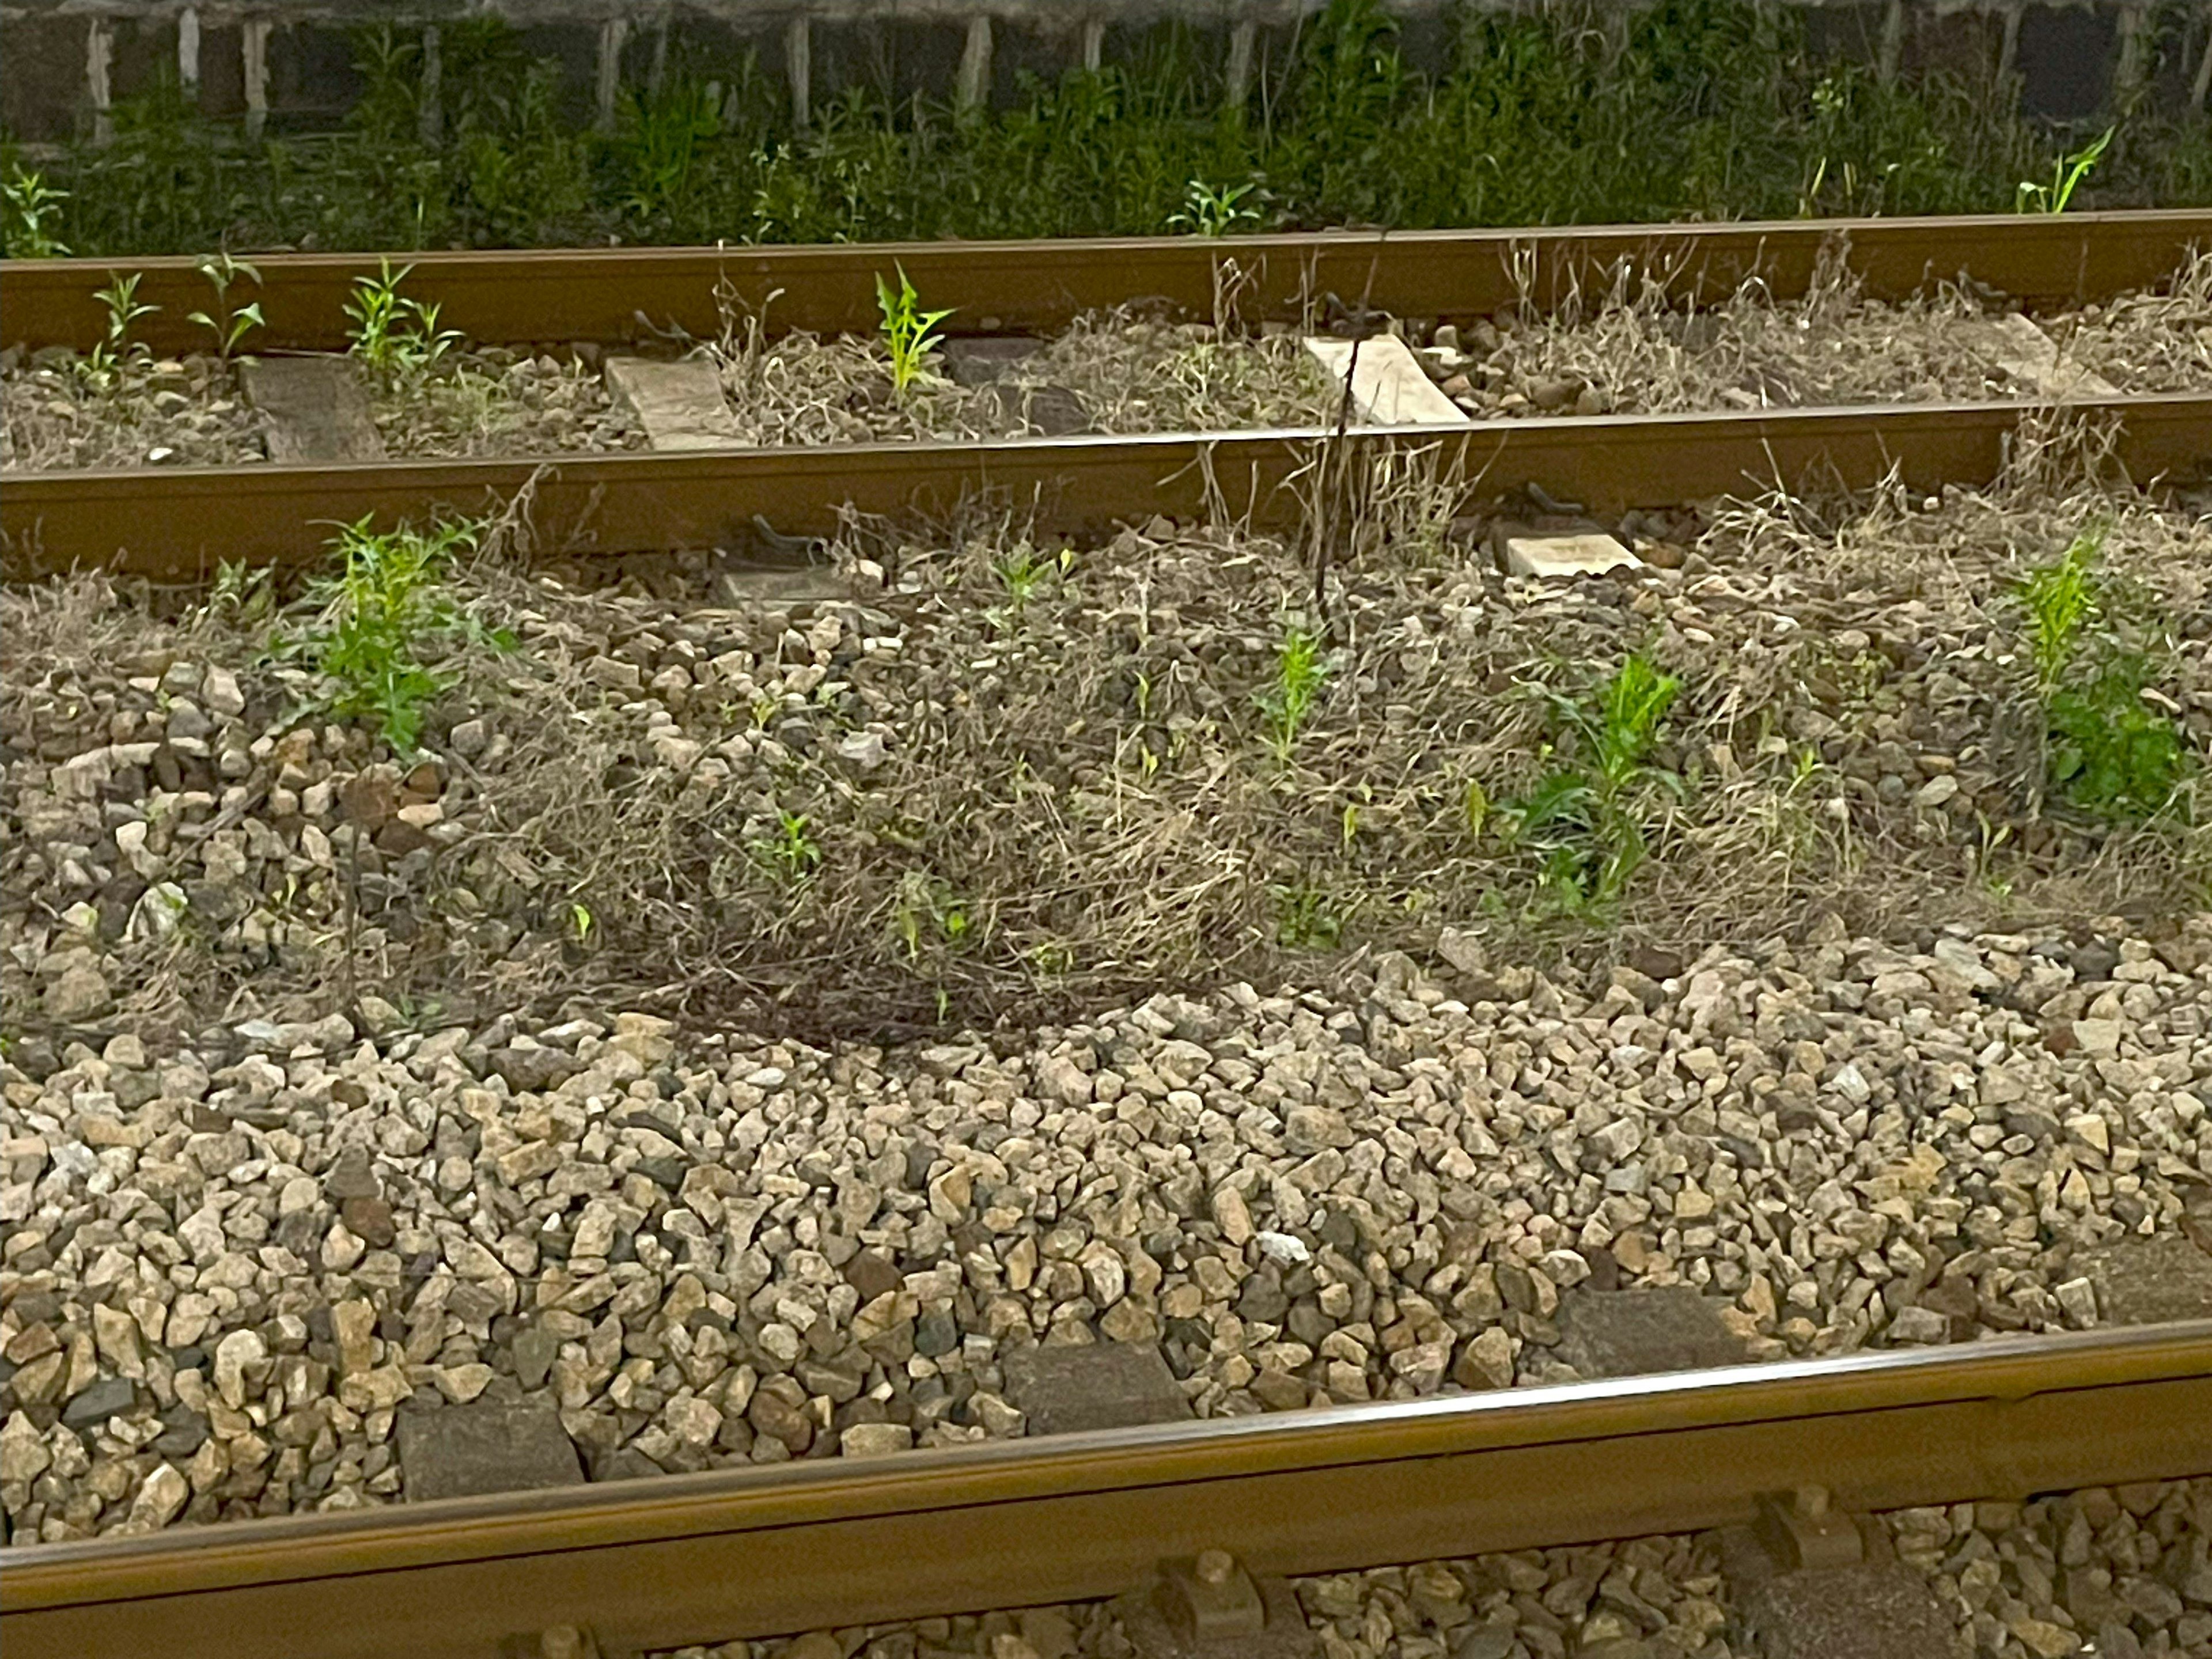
x=1646, y=353
x=1081, y=799
x=2160, y=341
x=1122, y=373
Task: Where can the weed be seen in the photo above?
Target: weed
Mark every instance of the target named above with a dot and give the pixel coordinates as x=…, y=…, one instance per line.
x=228, y=324
x=2066, y=174
x=1305, y=919
x=1301, y=672
x=2106, y=749
x=1210, y=212
x=378, y=618
x=33, y=209
x=791, y=854
x=2062, y=603
x=103, y=364
x=241, y=593
x=396, y=338
x=1586, y=819
x=907, y=329
x=926, y=916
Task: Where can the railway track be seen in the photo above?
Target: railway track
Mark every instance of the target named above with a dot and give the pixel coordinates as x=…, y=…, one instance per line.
x=176, y=523
x=768, y=1551
x=708, y=1556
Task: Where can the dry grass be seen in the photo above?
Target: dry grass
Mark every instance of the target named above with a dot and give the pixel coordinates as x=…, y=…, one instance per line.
x=1081, y=801
x=1644, y=352
x=1084, y=797
x=2160, y=341
x=1125, y=374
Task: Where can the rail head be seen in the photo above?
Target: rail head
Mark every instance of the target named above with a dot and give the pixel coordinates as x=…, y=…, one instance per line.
x=538, y=295
x=969, y=1528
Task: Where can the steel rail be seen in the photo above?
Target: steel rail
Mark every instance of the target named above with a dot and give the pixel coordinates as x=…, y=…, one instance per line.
x=179, y=524
x=765, y=1551
x=599, y=294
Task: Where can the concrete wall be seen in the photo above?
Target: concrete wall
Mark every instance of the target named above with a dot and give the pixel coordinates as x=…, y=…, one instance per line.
x=287, y=63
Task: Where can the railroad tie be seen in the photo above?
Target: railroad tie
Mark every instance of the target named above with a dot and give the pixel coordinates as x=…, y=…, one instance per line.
x=680, y=404
x=312, y=409
x=1389, y=387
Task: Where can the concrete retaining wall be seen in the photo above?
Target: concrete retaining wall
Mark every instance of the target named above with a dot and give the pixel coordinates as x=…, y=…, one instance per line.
x=64, y=64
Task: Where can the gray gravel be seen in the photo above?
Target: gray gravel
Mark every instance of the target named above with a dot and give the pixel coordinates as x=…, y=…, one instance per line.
x=236, y=1265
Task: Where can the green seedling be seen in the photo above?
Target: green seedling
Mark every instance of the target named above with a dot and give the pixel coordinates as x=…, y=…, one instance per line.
x=2066, y=174
x=907, y=329
x=228, y=324
x=103, y=364
x=379, y=618
x=33, y=208
x=1301, y=671
x=791, y=854
x=396, y=338
x=1306, y=919
x=1586, y=819
x=1210, y=212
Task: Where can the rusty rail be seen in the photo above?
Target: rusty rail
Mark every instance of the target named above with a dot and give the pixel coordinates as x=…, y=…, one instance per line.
x=179, y=524
x=763, y=1551
x=562, y=295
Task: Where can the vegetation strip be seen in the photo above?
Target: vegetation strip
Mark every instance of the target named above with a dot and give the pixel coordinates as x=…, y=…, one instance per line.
x=179, y=525
x=601, y=294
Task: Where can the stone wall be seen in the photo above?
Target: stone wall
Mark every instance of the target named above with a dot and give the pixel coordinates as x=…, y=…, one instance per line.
x=289, y=65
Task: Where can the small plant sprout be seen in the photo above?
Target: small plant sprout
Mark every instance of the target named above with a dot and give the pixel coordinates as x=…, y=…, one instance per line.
x=229, y=324
x=377, y=619
x=2062, y=603
x=1212, y=210
x=104, y=363
x=2106, y=748
x=33, y=207
x=1585, y=819
x=398, y=339
x=2066, y=174
x=581, y=922
x=1301, y=671
x=791, y=854
x=907, y=329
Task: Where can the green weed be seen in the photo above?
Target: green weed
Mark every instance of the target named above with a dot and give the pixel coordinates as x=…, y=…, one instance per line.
x=928, y=916
x=1301, y=674
x=1209, y=210
x=228, y=324
x=2066, y=174
x=380, y=617
x=33, y=211
x=2106, y=749
x=791, y=854
x=907, y=329
x=1587, y=819
x=102, y=367
x=1306, y=918
x=396, y=338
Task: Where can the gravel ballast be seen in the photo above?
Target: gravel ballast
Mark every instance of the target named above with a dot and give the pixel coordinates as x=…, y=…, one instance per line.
x=339, y=1086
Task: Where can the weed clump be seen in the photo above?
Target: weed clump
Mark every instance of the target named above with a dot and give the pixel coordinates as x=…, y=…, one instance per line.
x=380, y=626
x=2107, y=750
x=1589, y=820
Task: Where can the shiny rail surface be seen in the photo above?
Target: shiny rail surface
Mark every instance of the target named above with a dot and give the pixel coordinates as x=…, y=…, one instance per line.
x=558, y=295
x=177, y=525
x=797, y=1546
